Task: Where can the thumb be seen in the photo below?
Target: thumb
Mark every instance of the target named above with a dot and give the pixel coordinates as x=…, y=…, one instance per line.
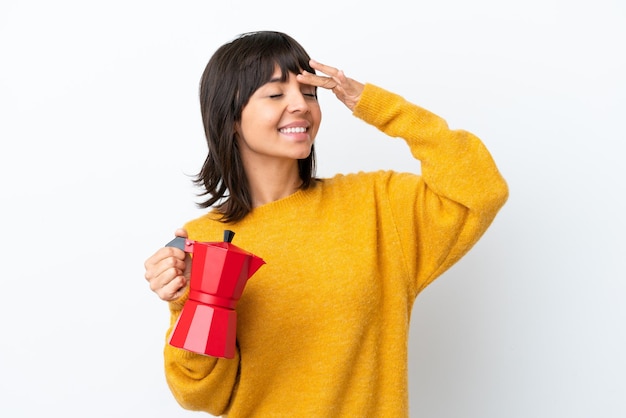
x=180, y=232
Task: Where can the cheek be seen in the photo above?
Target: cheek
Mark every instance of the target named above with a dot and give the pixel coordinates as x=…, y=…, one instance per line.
x=259, y=120
x=317, y=119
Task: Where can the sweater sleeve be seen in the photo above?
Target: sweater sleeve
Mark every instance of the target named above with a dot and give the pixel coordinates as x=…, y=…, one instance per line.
x=441, y=214
x=198, y=382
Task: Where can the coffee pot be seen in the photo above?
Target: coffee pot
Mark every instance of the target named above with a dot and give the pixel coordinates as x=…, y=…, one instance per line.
x=219, y=272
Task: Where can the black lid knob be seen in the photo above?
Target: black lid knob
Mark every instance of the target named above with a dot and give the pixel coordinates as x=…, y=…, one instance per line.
x=228, y=235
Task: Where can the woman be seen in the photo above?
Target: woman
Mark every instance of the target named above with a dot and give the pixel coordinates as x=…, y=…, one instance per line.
x=323, y=327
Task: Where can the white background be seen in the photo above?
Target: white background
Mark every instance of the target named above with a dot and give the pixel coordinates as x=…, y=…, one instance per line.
x=100, y=128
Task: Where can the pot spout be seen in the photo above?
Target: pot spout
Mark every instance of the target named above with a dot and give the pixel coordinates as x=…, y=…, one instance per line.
x=255, y=264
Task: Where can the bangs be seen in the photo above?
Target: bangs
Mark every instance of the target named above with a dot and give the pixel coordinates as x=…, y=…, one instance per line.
x=267, y=50
x=291, y=63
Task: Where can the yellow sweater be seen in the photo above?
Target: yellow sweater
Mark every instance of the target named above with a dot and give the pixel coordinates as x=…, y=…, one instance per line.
x=323, y=326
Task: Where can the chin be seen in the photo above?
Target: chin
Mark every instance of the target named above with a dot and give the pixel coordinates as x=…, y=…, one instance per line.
x=303, y=155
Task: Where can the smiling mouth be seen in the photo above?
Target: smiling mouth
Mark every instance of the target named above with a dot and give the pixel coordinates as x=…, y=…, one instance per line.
x=299, y=130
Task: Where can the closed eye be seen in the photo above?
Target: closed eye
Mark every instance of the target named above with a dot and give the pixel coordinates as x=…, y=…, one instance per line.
x=312, y=93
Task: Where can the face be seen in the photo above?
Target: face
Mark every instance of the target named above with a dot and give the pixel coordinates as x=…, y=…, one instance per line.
x=279, y=122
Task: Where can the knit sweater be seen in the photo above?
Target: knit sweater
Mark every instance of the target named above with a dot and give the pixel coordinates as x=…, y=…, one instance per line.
x=323, y=327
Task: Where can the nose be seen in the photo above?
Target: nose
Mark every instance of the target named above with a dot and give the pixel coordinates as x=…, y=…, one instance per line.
x=297, y=102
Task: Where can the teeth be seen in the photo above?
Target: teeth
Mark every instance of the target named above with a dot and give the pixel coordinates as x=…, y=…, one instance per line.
x=293, y=130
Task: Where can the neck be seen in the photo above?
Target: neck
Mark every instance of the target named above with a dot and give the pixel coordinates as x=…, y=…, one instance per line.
x=273, y=183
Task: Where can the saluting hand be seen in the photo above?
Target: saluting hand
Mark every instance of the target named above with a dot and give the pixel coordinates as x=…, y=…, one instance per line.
x=346, y=89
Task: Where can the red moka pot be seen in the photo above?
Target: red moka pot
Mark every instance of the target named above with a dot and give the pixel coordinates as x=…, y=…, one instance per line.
x=219, y=272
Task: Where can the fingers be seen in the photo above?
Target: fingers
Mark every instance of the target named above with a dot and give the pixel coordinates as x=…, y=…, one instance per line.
x=163, y=265
x=173, y=290
x=315, y=80
x=346, y=89
x=335, y=76
x=167, y=271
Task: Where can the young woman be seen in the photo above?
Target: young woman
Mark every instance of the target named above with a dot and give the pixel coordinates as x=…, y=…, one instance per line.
x=323, y=327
